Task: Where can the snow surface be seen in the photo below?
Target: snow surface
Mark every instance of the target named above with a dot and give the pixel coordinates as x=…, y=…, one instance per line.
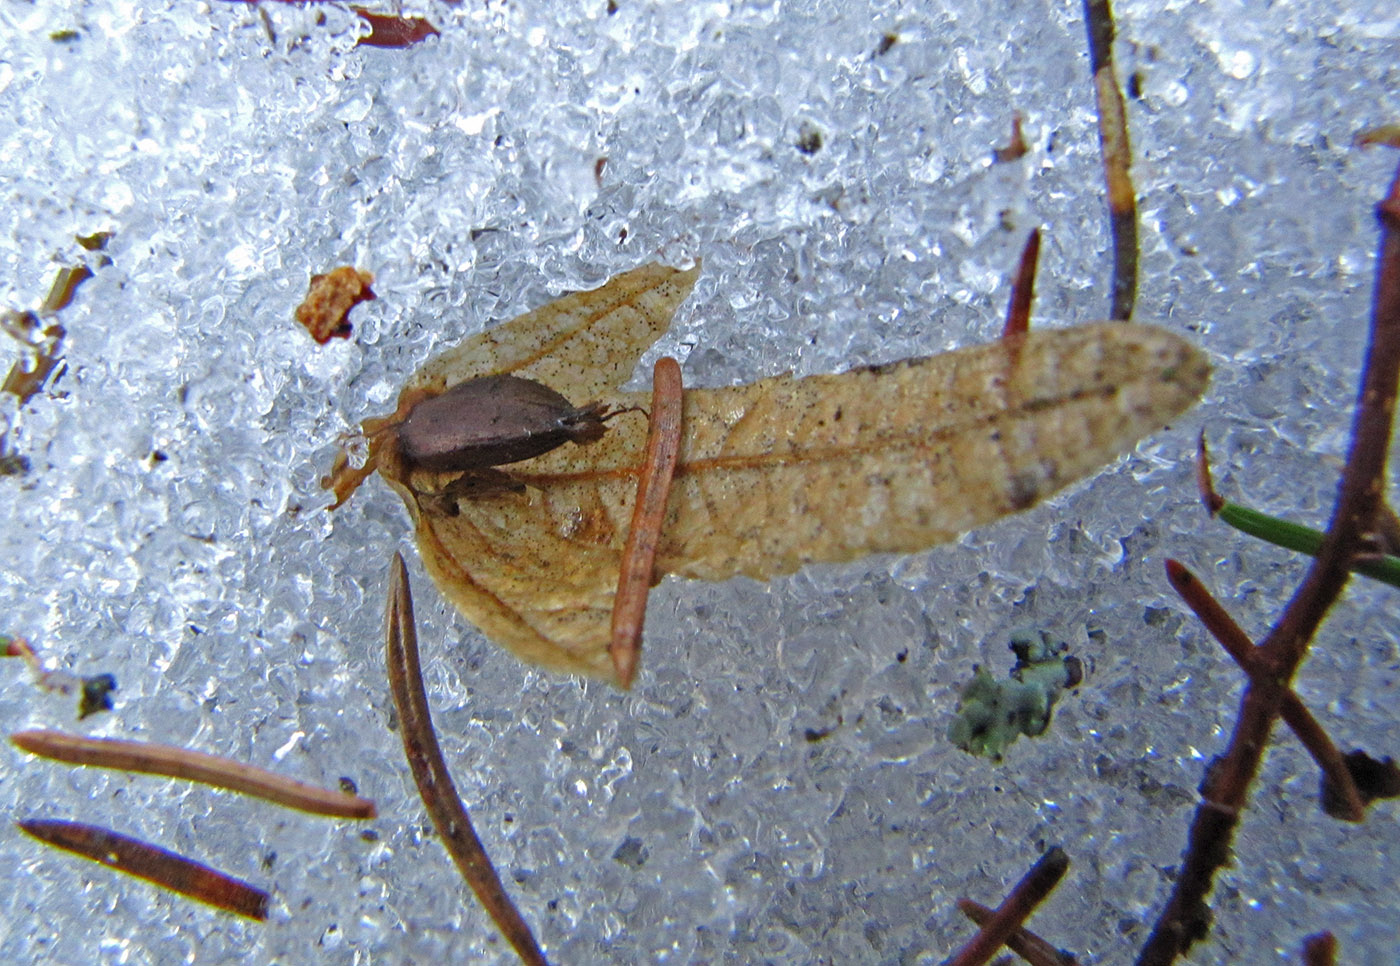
x=234, y=150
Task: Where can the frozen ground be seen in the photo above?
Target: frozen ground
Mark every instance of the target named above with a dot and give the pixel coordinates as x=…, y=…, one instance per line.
x=234, y=150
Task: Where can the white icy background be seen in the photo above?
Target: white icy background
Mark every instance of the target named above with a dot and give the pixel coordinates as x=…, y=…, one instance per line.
x=690, y=821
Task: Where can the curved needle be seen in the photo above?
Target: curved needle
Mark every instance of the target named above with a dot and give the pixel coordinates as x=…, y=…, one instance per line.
x=430, y=772
x=195, y=766
x=653, y=488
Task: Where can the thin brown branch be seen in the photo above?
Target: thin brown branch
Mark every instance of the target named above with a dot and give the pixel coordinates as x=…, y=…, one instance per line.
x=1186, y=917
x=653, y=489
x=1117, y=158
x=195, y=766
x=1030, y=892
x=1018, y=313
x=1023, y=942
x=1320, y=949
x=434, y=781
x=152, y=863
x=1349, y=805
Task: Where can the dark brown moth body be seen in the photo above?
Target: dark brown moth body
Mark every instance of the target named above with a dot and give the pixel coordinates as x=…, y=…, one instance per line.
x=492, y=421
x=470, y=429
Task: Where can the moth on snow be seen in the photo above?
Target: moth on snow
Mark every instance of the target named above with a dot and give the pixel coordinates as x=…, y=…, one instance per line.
x=771, y=475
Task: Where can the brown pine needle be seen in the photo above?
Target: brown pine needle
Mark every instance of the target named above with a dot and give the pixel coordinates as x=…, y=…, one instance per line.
x=1295, y=714
x=1023, y=942
x=152, y=863
x=1117, y=157
x=653, y=488
x=1018, y=313
x=195, y=766
x=1030, y=892
x=430, y=772
x=1205, y=484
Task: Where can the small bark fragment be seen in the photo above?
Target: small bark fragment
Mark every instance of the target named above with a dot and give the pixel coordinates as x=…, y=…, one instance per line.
x=393, y=32
x=329, y=299
x=1385, y=135
x=653, y=488
x=1373, y=779
x=65, y=286
x=1016, y=148
x=1320, y=949
x=152, y=863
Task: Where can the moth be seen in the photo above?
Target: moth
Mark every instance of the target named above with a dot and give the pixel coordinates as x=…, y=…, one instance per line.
x=771, y=475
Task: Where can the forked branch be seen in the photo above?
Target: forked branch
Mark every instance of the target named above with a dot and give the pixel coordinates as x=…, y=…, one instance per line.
x=1186, y=917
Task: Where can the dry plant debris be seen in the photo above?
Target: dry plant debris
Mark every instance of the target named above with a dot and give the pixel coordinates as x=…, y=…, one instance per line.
x=1386, y=135
x=1018, y=311
x=435, y=785
x=94, y=691
x=1272, y=664
x=152, y=863
x=387, y=30
x=1382, y=566
x=771, y=475
x=1004, y=923
x=195, y=766
x=1117, y=158
x=329, y=299
x=638, y=568
x=1022, y=942
x=1016, y=148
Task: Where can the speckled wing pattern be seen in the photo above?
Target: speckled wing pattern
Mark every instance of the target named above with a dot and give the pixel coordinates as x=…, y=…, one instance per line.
x=780, y=472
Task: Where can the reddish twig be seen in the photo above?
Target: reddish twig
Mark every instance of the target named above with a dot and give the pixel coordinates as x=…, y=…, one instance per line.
x=1030, y=892
x=434, y=781
x=193, y=766
x=1018, y=313
x=1320, y=949
x=1023, y=942
x=1186, y=917
x=152, y=863
x=1295, y=714
x=1117, y=157
x=653, y=489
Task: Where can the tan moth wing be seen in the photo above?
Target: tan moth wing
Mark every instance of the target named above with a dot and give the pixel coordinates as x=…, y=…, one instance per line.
x=785, y=471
